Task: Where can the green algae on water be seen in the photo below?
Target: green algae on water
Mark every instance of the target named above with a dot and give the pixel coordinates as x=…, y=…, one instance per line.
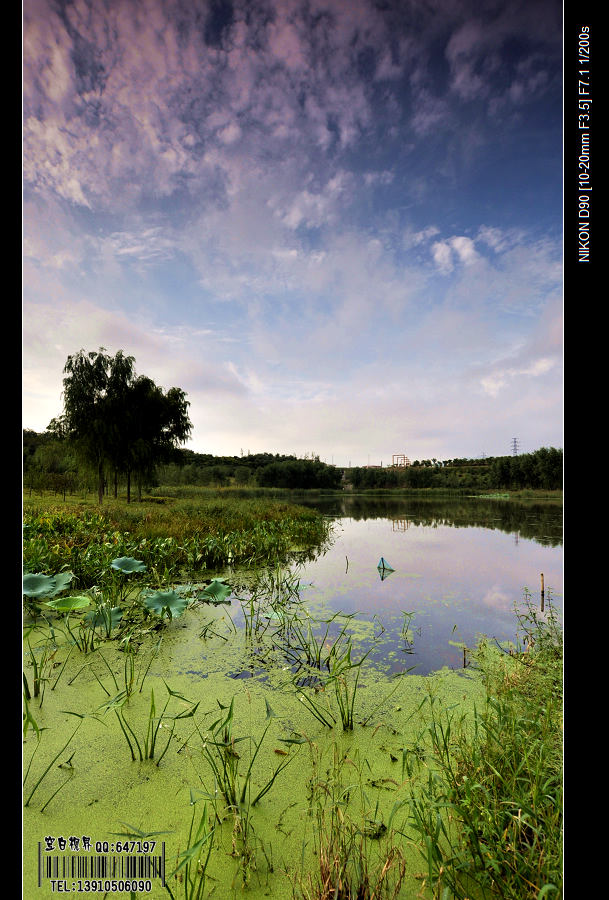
x=270, y=848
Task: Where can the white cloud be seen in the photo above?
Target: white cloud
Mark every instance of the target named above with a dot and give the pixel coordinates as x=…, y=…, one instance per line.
x=493, y=383
x=444, y=252
x=465, y=249
x=412, y=238
x=442, y=256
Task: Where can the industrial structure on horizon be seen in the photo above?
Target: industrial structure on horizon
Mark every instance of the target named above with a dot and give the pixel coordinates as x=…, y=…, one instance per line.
x=398, y=460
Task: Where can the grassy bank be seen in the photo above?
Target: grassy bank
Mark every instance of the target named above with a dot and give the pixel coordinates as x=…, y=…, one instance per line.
x=490, y=814
x=173, y=536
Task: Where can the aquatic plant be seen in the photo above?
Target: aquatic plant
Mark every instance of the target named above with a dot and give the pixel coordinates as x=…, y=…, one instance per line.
x=317, y=705
x=41, y=664
x=216, y=592
x=224, y=760
x=305, y=647
x=165, y=603
x=131, y=679
x=192, y=863
x=83, y=636
x=104, y=616
x=38, y=677
x=267, y=600
x=407, y=632
x=173, y=603
x=489, y=815
x=127, y=565
x=146, y=743
x=350, y=863
x=28, y=719
x=345, y=692
x=185, y=537
x=346, y=868
x=340, y=666
x=123, y=566
x=45, y=586
x=39, y=587
x=49, y=767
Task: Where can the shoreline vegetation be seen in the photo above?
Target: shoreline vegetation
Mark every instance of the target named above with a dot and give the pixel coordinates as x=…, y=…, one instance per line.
x=165, y=493
x=174, y=537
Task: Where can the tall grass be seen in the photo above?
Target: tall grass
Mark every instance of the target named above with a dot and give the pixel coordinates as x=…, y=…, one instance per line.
x=356, y=855
x=173, y=539
x=192, y=863
x=146, y=743
x=50, y=765
x=489, y=815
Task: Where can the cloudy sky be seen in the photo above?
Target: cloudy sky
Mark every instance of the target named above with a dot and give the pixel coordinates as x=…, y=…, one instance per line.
x=336, y=224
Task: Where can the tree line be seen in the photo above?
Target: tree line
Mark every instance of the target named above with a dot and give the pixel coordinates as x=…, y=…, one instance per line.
x=51, y=464
x=540, y=470
x=256, y=469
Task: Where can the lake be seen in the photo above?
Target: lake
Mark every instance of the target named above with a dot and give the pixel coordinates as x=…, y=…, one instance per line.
x=460, y=568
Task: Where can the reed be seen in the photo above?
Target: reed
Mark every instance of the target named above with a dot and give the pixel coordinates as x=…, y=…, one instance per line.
x=83, y=636
x=345, y=691
x=357, y=856
x=41, y=665
x=489, y=815
x=192, y=863
x=28, y=719
x=146, y=743
x=306, y=648
x=48, y=768
x=345, y=688
x=220, y=750
x=267, y=601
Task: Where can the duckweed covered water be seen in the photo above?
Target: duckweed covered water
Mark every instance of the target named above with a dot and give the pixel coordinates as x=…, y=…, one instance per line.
x=267, y=850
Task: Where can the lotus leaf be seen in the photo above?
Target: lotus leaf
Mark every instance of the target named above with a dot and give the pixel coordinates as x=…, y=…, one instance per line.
x=65, y=604
x=38, y=585
x=166, y=603
x=215, y=592
x=62, y=580
x=128, y=564
x=46, y=585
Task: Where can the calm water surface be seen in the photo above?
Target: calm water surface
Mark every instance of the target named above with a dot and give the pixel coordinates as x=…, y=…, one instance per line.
x=460, y=567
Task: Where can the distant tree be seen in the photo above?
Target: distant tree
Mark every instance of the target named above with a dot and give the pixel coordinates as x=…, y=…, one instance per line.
x=549, y=466
x=298, y=474
x=242, y=474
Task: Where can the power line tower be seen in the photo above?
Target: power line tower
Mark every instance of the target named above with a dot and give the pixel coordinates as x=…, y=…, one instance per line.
x=514, y=446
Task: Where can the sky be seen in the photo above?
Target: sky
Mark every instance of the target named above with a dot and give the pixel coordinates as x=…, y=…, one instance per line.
x=335, y=224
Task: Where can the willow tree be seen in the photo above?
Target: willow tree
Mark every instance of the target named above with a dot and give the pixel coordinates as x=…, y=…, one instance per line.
x=93, y=385
x=156, y=423
x=114, y=418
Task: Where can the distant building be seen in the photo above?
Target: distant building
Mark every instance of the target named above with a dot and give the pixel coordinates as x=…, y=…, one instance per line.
x=400, y=460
